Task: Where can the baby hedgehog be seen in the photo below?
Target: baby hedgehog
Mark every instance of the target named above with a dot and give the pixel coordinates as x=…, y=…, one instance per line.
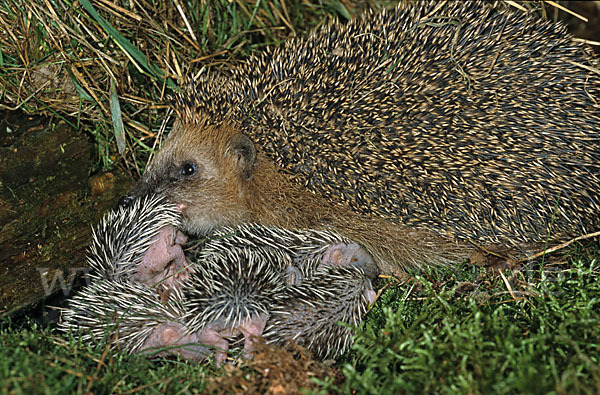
x=132, y=317
x=225, y=290
x=243, y=275
x=416, y=133
x=309, y=314
x=141, y=243
x=137, y=262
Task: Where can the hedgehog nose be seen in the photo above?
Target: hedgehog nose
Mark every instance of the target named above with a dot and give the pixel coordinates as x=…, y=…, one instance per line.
x=126, y=201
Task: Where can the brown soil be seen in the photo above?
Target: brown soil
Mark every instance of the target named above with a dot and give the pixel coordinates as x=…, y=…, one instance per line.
x=274, y=370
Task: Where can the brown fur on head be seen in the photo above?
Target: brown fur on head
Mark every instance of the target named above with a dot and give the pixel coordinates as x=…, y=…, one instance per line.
x=215, y=177
x=204, y=169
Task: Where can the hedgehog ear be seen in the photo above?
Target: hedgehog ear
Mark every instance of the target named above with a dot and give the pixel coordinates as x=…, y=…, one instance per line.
x=245, y=152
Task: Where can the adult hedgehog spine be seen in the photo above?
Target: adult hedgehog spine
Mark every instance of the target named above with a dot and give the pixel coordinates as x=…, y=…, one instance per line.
x=437, y=125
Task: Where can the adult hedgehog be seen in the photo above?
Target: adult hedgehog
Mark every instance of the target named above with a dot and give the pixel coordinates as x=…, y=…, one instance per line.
x=413, y=132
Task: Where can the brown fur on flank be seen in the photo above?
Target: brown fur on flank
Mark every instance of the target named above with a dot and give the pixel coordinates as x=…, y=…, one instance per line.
x=220, y=194
x=438, y=122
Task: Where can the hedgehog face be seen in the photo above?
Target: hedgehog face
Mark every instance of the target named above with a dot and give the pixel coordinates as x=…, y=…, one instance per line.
x=202, y=169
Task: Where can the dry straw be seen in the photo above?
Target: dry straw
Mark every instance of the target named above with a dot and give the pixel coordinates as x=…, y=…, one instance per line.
x=115, y=63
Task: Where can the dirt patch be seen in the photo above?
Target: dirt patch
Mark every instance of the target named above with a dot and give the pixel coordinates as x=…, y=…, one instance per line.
x=274, y=370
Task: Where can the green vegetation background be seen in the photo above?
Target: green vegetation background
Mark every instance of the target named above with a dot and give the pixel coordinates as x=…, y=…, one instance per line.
x=466, y=330
x=445, y=331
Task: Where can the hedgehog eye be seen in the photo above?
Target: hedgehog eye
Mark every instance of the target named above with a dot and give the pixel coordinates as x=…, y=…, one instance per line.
x=188, y=169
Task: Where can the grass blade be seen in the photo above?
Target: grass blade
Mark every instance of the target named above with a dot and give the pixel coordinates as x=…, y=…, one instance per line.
x=117, y=119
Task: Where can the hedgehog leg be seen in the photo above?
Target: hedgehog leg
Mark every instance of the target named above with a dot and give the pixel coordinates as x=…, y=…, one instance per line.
x=344, y=255
x=175, y=337
x=164, y=260
x=369, y=294
x=252, y=329
x=215, y=339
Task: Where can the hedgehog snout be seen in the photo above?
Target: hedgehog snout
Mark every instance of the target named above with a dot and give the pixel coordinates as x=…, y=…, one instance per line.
x=126, y=201
x=149, y=184
x=344, y=255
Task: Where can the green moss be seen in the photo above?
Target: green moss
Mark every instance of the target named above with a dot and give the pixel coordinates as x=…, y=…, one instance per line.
x=425, y=336
x=436, y=341
x=35, y=360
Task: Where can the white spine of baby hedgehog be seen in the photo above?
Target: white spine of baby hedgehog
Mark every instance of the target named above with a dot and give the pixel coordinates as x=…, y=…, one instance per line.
x=243, y=274
x=319, y=313
x=140, y=243
x=127, y=315
x=231, y=285
x=305, y=248
x=134, y=297
x=232, y=292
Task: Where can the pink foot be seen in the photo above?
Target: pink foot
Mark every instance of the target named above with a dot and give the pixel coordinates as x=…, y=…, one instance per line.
x=216, y=339
x=175, y=337
x=252, y=330
x=165, y=260
x=344, y=255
